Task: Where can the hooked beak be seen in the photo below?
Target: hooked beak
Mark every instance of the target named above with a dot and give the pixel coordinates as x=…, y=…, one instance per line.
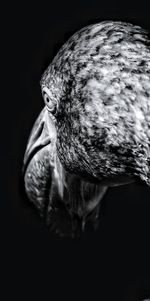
x=42, y=134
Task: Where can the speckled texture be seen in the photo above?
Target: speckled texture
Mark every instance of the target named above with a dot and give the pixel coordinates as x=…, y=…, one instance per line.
x=100, y=79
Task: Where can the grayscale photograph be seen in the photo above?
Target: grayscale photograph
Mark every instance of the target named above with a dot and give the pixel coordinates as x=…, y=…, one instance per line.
x=75, y=210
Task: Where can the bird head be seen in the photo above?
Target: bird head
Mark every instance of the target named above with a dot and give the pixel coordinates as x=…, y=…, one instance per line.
x=93, y=127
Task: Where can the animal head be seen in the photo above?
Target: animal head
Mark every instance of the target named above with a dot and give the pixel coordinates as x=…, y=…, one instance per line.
x=95, y=125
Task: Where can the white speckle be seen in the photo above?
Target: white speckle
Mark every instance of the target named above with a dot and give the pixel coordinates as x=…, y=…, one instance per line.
x=138, y=114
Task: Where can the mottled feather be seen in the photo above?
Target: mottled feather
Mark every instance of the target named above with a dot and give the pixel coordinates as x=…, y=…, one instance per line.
x=100, y=79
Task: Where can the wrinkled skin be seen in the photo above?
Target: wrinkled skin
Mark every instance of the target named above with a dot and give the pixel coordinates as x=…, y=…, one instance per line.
x=94, y=131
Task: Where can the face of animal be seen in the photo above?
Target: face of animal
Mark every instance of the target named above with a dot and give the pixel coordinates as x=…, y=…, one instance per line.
x=93, y=131
x=48, y=184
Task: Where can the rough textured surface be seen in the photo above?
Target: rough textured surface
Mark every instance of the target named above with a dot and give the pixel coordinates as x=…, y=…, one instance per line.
x=101, y=81
x=94, y=131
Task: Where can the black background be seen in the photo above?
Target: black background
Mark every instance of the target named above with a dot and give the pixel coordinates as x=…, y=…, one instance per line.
x=110, y=264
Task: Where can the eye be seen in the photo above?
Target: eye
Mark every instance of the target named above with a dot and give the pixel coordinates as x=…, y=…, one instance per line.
x=51, y=105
